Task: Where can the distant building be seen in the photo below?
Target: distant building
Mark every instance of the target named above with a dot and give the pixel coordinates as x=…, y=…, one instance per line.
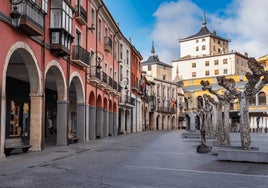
x=205, y=54
x=162, y=99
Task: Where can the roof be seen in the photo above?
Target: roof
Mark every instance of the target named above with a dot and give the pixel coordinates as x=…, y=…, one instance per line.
x=204, y=31
x=153, y=59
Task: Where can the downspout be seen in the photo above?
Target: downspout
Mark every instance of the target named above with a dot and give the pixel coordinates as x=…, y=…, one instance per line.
x=86, y=71
x=96, y=61
x=113, y=72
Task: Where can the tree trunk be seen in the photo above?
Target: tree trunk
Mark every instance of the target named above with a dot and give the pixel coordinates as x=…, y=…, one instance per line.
x=219, y=125
x=226, y=125
x=244, y=123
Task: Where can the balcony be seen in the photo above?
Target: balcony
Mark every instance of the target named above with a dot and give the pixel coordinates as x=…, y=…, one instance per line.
x=136, y=87
x=32, y=18
x=126, y=101
x=80, y=56
x=115, y=85
x=60, y=41
x=108, y=44
x=81, y=15
x=169, y=110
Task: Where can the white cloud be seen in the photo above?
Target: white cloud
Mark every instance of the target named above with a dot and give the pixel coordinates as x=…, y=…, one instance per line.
x=243, y=21
x=174, y=20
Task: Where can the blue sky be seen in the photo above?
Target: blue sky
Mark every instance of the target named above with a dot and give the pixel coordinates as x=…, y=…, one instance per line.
x=164, y=22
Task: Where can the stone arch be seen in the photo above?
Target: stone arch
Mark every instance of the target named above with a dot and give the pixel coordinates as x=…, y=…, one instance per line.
x=99, y=102
x=115, y=107
x=158, y=122
x=164, y=123
x=110, y=105
x=56, y=107
x=26, y=53
x=105, y=104
x=22, y=54
x=173, y=122
x=58, y=72
x=92, y=100
x=76, y=78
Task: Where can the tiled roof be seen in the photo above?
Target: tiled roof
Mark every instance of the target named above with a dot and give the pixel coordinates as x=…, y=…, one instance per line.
x=153, y=59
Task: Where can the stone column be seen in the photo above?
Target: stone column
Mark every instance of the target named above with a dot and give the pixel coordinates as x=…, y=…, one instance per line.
x=81, y=128
x=99, y=124
x=111, y=129
x=62, y=139
x=36, y=122
x=115, y=126
x=105, y=124
x=87, y=122
x=92, y=122
x=3, y=126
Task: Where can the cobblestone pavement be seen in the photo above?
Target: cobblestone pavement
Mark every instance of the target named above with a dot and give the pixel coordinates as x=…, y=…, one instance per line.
x=140, y=160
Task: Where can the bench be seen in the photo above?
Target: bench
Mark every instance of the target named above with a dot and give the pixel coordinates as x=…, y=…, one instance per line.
x=15, y=143
x=253, y=156
x=72, y=138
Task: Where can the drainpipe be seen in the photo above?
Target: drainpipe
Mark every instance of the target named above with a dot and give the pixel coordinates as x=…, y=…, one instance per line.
x=113, y=71
x=86, y=71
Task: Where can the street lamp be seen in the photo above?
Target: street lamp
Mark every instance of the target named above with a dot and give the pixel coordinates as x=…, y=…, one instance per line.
x=15, y=14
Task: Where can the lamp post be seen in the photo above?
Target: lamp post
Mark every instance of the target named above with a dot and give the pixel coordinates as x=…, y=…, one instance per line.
x=15, y=14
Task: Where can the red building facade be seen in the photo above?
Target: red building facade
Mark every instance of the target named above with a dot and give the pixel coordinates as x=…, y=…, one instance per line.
x=59, y=72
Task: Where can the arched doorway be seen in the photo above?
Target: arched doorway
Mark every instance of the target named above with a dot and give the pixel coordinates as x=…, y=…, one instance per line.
x=22, y=97
x=55, y=106
x=99, y=118
x=164, y=124
x=91, y=115
x=105, y=118
x=76, y=110
x=158, y=123
x=111, y=123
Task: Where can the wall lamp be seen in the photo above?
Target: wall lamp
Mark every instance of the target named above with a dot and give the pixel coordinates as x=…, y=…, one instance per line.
x=15, y=14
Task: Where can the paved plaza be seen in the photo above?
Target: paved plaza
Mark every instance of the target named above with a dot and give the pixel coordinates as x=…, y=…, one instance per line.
x=141, y=160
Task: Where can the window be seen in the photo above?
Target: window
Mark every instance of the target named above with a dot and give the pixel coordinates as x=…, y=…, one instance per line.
x=193, y=74
x=106, y=31
x=225, y=71
x=111, y=71
x=92, y=17
x=164, y=77
x=61, y=18
x=149, y=67
x=207, y=63
x=193, y=65
x=225, y=61
x=44, y=5
x=99, y=29
x=262, y=98
x=121, y=51
x=197, y=48
x=252, y=101
x=216, y=72
x=105, y=68
x=127, y=57
x=219, y=42
x=197, y=41
x=203, y=47
x=203, y=39
x=78, y=37
x=216, y=62
x=214, y=48
x=207, y=73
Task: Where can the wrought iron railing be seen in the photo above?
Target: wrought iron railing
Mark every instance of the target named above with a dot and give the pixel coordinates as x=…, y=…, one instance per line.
x=31, y=11
x=80, y=54
x=80, y=11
